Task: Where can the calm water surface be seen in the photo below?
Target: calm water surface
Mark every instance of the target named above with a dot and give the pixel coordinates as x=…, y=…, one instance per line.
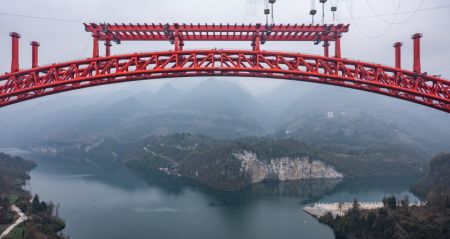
x=119, y=204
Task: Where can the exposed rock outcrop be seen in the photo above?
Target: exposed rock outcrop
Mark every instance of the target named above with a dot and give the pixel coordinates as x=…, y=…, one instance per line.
x=283, y=169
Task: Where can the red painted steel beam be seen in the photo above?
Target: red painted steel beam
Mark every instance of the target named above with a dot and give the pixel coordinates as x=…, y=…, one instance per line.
x=326, y=49
x=417, y=66
x=107, y=48
x=215, y=32
x=398, y=55
x=15, y=51
x=256, y=44
x=95, y=47
x=34, y=54
x=337, y=47
x=45, y=80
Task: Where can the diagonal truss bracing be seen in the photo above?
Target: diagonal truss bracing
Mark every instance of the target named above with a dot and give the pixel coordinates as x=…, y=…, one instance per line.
x=411, y=86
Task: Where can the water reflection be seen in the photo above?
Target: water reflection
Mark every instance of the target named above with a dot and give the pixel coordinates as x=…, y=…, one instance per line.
x=125, y=180
x=305, y=191
x=371, y=189
x=119, y=204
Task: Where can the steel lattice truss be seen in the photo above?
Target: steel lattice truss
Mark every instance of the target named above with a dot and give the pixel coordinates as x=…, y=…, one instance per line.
x=28, y=84
x=217, y=32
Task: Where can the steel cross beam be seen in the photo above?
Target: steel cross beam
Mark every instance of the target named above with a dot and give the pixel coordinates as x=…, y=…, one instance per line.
x=215, y=32
x=46, y=80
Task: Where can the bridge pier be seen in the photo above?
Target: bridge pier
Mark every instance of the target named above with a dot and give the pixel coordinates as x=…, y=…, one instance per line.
x=398, y=55
x=95, y=52
x=256, y=44
x=34, y=54
x=337, y=47
x=107, y=48
x=326, y=49
x=417, y=66
x=15, y=51
x=178, y=44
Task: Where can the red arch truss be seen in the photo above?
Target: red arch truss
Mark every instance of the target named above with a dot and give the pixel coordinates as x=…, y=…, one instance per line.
x=37, y=82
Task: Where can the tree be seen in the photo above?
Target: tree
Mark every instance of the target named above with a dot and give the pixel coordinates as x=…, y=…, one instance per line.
x=392, y=202
x=327, y=218
x=355, y=204
x=405, y=201
x=5, y=216
x=36, y=204
x=340, y=204
x=371, y=218
x=385, y=201
x=43, y=207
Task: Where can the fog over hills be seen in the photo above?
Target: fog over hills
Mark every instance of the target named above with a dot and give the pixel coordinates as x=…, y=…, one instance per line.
x=329, y=116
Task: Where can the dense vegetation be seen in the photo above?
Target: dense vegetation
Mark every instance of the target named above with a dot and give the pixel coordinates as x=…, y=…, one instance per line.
x=182, y=146
x=13, y=174
x=436, y=183
x=42, y=223
x=399, y=220
x=188, y=155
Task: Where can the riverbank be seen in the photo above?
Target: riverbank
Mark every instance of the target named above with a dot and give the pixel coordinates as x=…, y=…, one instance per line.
x=395, y=218
x=16, y=205
x=319, y=210
x=226, y=164
x=150, y=208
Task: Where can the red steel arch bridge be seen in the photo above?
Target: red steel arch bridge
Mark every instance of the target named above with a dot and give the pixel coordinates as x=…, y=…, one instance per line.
x=330, y=68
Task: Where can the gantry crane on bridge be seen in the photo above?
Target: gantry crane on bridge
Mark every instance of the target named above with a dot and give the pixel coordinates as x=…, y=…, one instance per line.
x=411, y=85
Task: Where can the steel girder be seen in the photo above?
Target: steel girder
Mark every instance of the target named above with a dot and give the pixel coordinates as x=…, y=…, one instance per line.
x=215, y=32
x=46, y=80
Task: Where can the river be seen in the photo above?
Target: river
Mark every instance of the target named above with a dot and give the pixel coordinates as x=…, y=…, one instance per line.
x=119, y=204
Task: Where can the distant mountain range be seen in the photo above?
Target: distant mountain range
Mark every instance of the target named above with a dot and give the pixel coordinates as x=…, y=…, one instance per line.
x=341, y=120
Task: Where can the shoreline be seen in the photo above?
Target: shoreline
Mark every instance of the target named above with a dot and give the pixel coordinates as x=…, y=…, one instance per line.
x=318, y=210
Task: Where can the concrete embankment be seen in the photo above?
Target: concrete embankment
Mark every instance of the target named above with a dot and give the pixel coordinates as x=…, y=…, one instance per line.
x=319, y=209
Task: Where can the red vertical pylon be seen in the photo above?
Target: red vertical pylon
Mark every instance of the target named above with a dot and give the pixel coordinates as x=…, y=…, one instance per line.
x=338, y=46
x=417, y=66
x=107, y=48
x=398, y=55
x=326, y=49
x=35, y=54
x=95, y=52
x=15, y=51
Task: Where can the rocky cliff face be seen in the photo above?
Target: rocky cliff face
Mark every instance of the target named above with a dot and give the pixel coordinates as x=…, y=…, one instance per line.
x=231, y=169
x=221, y=164
x=283, y=169
x=437, y=178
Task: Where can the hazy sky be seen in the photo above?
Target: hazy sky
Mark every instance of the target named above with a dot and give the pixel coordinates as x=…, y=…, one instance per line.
x=370, y=37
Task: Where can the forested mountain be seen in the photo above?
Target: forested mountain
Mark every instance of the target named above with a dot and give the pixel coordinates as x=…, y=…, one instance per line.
x=217, y=108
x=354, y=122
x=342, y=121
x=226, y=164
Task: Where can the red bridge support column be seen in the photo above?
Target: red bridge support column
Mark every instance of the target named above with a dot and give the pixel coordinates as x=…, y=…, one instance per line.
x=35, y=54
x=417, y=66
x=337, y=47
x=107, y=48
x=326, y=49
x=15, y=52
x=256, y=44
x=178, y=44
x=95, y=51
x=398, y=54
x=178, y=41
